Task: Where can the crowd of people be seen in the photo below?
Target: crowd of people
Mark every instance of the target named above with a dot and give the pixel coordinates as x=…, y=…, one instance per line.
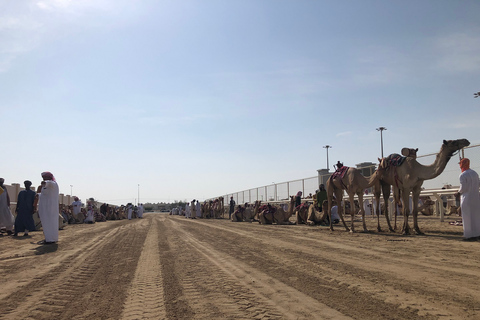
x=195, y=209
x=52, y=215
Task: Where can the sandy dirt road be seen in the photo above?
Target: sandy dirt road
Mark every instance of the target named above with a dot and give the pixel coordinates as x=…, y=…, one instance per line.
x=169, y=267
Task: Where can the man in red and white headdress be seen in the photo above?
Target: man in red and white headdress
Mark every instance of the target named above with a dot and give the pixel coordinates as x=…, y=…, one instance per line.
x=48, y=207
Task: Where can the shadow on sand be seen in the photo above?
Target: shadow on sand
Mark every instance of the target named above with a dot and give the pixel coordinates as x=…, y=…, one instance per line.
x=45, y=248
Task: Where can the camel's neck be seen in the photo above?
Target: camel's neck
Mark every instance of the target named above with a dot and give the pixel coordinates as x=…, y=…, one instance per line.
x=290, y=207
x=436, y=168
x=372, y=180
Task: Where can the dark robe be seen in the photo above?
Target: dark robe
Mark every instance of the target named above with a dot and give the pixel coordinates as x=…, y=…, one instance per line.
x=24, y=220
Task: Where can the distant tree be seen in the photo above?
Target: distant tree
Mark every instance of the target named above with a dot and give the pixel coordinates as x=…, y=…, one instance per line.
x=476, y=94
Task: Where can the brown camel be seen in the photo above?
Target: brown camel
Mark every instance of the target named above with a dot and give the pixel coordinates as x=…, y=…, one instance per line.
x=353, y=182
x=409, y=176
x=267, y=216
x=243, y=213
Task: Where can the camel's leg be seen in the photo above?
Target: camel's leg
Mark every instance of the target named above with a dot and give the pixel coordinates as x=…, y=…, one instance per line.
x=396, y=201
x=376, y=191
x=386, y=196
x=297, y=216
x=261, y=218
x=329, y=201
x=415, y=196
x=362, y=210
x=406, y=211
x=352, y=211
x=339, y=196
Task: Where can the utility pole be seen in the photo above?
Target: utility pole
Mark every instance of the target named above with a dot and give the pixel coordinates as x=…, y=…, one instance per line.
x=381, y=137
x=327, y=147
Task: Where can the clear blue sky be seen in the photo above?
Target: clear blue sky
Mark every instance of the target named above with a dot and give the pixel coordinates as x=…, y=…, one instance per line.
x=194, y=99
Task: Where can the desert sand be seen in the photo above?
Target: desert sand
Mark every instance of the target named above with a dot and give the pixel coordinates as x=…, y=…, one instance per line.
x=169, y=267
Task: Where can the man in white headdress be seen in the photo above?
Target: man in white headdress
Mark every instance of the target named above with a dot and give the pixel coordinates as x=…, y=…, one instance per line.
x=6, y=217
x=187, y=211
x=48, y=207
x=77, y=210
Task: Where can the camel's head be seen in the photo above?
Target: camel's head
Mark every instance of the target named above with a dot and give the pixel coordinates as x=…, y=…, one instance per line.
x=454, y=145
x=409, y=152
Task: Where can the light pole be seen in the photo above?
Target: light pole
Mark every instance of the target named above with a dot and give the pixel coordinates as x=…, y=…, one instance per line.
x=138, y=194
x=381, y=136
x=71, y=188
x=327, y=147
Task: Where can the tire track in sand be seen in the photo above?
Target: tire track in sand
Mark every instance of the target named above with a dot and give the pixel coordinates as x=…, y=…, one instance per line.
x=258, y=295
x=145, y=298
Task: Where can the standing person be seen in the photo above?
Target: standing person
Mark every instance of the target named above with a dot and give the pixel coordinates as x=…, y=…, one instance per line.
x=232, y=208
x=193, y=210
x=140, y=211
x=129, y=211
x=469, y=201
x=6, y=217
x=321, y=196
x=298, y=199
x=48, y=207
x=77, y=210
x=198, y=209
x=25, y=210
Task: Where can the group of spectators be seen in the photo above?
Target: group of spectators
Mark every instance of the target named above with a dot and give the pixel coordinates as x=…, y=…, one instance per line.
x=52, y=215
x=45, y=201
x=78, y=213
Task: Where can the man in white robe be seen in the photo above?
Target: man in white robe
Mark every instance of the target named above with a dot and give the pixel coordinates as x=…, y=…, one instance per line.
x=140, y=211
x=129, y=211
x=469, y=201
x=77, y=210
x=7, y=220
x=48, y=209
x=198, y=210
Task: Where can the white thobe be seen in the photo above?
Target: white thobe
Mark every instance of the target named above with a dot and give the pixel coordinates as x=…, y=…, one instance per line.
x=198, y=210
x=140, y=211
x=470, y=203
x=129, y=213
x=48, y=210
x=6, y=218
x=366, y=207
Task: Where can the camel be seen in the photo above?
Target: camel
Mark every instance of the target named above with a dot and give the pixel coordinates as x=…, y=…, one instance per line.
x=354, y=183
x=269, y=214
x=301, y=213
x=408, y=178
x=243, y=213
x=218, y=208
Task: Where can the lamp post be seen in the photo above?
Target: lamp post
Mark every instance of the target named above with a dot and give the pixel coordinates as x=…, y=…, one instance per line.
x=381, y=137
x=71, y=188
x=138, y=193
x=327, y=147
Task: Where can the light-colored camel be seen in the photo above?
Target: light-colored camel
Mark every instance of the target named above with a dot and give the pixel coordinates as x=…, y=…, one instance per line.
x=353, y=182
x=243, y=213
x=280, y=216
x=409, y=176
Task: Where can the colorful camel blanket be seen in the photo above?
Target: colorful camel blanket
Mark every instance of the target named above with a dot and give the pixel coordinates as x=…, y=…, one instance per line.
x=340, y=172
x=267, y=209
x=394, y=160
x=302, y=206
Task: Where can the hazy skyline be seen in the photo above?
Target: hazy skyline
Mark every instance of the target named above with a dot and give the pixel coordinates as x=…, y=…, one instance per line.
x=195, y=99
